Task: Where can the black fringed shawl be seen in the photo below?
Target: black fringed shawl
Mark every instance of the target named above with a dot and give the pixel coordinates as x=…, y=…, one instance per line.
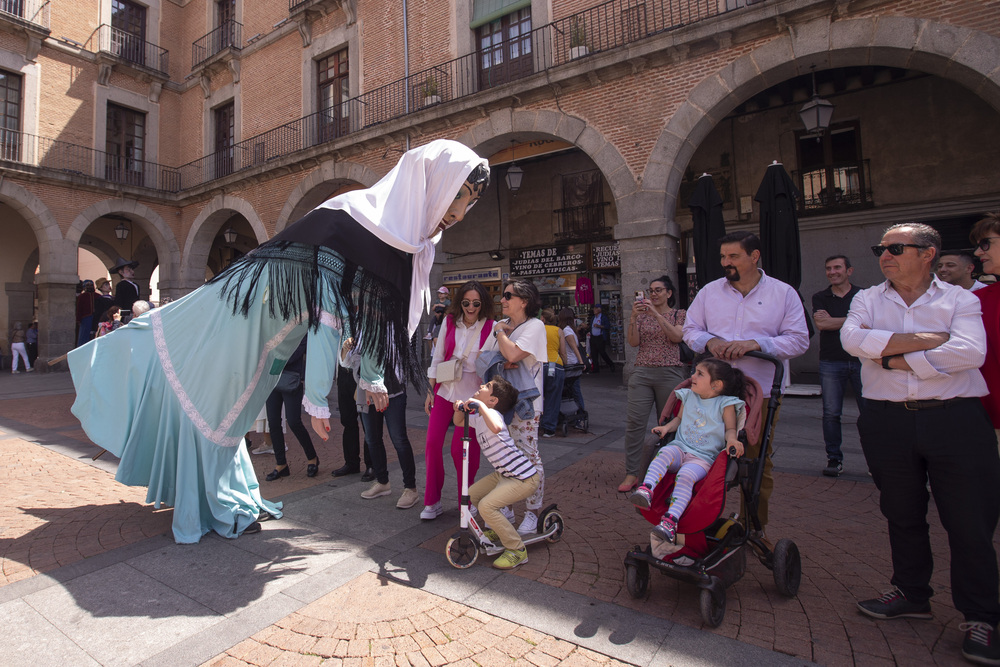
x=327, y=261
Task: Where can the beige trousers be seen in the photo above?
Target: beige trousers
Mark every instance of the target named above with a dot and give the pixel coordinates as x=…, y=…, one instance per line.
x=495, y=491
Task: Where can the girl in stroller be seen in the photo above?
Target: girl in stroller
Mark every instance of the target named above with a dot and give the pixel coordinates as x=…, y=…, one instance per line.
x=705, y=425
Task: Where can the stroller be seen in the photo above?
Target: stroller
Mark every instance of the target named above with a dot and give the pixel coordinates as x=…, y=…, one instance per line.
x=578, y=419
x=713, y=555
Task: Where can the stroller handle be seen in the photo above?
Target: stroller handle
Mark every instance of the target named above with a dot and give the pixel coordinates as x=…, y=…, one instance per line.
x=779, y=371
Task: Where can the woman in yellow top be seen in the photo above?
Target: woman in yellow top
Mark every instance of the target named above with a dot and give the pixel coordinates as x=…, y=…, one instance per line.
x=554, y=373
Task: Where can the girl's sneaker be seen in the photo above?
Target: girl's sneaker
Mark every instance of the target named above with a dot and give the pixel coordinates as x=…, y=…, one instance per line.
x=667, y=529
x=642, y=497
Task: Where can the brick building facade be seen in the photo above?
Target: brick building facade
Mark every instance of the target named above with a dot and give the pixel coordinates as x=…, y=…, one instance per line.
x=181, y=120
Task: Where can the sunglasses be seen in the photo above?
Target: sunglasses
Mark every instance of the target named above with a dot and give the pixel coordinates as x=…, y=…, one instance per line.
x=509, y=295
x=985, y=243
x=895, y=249
x=475, y=304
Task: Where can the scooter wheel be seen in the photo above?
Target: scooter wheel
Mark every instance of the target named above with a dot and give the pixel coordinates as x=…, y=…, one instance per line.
x=461, y=551
x=553, y=519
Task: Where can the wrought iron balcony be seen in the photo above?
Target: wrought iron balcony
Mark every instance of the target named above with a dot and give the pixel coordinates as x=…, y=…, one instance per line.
x=35, y=12
x=60, y=156
x=132, y=50
x=229, y=35
x=581, y=222
x=842, y=186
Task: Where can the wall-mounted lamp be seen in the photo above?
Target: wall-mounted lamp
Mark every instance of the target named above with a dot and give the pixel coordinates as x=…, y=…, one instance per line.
x=121, y=231
x=230, y=235
x=496, y=255
x=514, y=173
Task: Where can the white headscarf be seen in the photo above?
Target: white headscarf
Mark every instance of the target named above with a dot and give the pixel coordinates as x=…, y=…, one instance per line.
x=405, y=207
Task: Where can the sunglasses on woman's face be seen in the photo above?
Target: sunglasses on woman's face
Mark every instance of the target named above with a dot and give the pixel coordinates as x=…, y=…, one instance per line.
x=475, y=304
x=985, y=242
x=508, y=295
x=895, y=249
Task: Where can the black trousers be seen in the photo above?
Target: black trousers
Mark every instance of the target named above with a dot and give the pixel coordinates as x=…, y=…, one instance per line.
x=956, y=449
x=349, y=419
x=292, y=400
x=599, y=351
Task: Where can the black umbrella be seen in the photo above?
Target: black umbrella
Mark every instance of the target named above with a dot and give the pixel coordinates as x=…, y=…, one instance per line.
x=781, y=254
x=709, y=227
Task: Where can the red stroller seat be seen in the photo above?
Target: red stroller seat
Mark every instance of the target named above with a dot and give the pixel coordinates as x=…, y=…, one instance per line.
x=708, y=499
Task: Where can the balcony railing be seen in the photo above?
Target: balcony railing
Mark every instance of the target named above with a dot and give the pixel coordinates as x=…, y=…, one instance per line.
x=61, y=156
x=32, y=11
x=132, y=49
x=837, y=187
x=581, y=222
x=229, y=35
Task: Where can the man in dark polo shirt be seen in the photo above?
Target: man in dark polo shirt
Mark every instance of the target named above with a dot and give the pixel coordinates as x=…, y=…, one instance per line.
x=836, y=367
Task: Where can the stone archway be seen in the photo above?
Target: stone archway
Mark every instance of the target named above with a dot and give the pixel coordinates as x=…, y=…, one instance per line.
x=203, y=231
x=304, y=197
x=963, y=55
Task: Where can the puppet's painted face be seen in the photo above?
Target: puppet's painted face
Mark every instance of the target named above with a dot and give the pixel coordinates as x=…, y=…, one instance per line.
x=463, y=201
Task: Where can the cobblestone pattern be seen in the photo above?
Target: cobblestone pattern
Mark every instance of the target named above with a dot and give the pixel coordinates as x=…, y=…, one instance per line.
x=376, y=622
x=55, y=511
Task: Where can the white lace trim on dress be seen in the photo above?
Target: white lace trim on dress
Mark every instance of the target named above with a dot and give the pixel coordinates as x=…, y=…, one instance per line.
x=316, y=410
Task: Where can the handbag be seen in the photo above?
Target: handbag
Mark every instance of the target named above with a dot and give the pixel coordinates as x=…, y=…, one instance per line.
x=686, y=353
x=451, y=370
x=288, y=381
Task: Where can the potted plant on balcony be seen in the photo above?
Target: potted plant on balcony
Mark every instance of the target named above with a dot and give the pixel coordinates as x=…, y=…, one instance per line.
x=577, y=39
x=430, y=91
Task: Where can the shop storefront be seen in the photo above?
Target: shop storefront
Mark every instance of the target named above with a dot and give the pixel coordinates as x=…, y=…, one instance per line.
x=576, y=276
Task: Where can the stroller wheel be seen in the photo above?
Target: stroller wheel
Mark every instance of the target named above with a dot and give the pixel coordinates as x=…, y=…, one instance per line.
x=565, y=430
x=637, y=579
x=787, y=568
x=713, y=603
x=462, y=551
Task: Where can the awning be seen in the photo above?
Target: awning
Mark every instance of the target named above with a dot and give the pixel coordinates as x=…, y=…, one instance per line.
x=484, y=11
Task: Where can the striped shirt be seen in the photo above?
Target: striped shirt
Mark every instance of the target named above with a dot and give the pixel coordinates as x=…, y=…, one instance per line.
x=947, y=371
x=500, y=450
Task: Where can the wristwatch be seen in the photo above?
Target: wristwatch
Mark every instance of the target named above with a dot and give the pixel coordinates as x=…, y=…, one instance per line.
x=885, y=361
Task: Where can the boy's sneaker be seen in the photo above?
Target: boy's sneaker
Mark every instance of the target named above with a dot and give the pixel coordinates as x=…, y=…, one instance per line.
x=980, y=645
x=833, y=468
x=376, y=490
x=510, y=559
x=529, y=524
x=667, y=529
x=492, y=536
x=893, y=604
x=642, y=497
x=431, y=512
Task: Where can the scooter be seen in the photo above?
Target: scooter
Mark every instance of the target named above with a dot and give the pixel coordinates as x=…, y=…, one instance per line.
x=465, y=546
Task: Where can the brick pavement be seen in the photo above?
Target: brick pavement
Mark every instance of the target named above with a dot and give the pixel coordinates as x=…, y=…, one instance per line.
x=55, y=510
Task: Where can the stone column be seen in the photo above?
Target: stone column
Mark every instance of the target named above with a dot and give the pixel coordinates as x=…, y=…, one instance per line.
x=56, y=316
x=648, y=250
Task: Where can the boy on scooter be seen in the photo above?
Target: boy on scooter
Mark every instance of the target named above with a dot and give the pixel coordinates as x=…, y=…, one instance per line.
x=514, y=478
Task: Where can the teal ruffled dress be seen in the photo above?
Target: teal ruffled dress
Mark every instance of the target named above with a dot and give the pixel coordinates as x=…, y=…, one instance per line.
x=173, y=393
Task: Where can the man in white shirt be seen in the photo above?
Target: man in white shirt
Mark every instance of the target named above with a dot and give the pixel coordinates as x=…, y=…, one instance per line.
x=955, y=267
x=747, y=310
x=921, y=343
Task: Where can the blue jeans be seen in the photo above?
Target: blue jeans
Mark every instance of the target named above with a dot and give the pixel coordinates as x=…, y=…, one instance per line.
x=833, y=377
x=552, y=388
x=394, y=418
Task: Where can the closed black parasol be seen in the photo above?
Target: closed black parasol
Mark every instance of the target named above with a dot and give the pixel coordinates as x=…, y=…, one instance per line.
x=709, y=227
x=781, y=253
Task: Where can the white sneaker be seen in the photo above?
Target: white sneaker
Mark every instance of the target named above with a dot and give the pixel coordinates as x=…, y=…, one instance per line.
x=529, y=523
x=376, y=490
x=31, y=370
x=409, y=498
x=263, y=448
x=508, y=514
x=431, y=512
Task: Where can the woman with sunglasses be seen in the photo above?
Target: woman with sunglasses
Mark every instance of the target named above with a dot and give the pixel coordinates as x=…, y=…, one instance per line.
x=466, y=327
x=986, y=235
x=521, y=340
x=195, y=373
x=656, y=329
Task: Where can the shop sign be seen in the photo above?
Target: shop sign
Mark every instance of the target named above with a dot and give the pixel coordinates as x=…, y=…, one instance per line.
x=606, y=256
x=554, y=259
x=482, y=275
